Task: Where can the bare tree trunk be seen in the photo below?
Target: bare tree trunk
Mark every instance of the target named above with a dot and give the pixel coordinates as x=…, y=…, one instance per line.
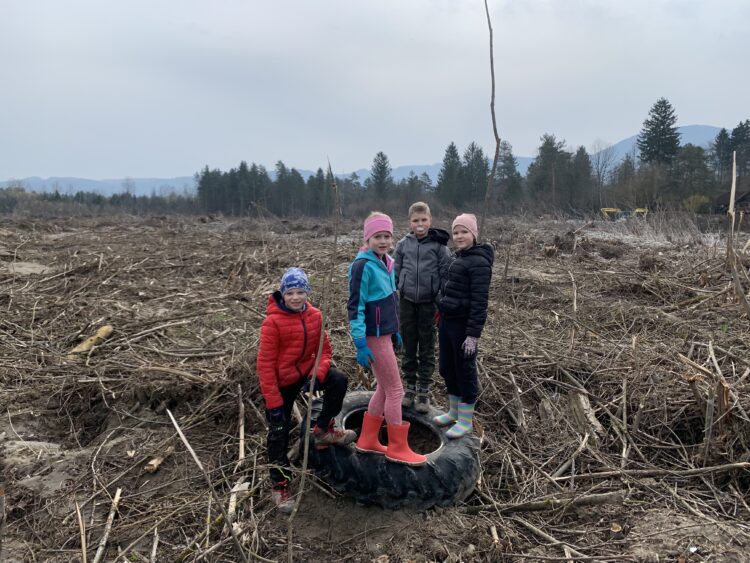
x=490, y=182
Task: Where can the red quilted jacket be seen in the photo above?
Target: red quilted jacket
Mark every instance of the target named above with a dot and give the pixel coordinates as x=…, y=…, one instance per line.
x=288, y=345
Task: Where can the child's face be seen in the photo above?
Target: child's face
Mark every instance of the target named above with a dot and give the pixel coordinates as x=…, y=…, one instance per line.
x=295, y=299
x=462, y=237
x=380, y=242
x=419, y=223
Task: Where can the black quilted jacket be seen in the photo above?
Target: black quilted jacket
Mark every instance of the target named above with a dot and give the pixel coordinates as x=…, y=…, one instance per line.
x=465, y=290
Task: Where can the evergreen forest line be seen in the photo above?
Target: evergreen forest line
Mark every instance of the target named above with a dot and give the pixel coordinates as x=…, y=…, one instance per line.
x=663, y=173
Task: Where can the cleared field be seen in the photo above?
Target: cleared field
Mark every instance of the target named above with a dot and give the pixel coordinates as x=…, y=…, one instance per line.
x=615, y=373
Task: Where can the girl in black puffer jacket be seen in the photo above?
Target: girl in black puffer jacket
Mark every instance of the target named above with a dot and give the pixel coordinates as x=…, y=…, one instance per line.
x=462, y=303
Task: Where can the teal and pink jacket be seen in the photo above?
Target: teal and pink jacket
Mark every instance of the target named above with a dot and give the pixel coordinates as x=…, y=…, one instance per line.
x=372, y=307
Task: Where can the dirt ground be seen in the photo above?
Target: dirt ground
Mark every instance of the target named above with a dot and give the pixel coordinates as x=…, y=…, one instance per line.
x=614, y=367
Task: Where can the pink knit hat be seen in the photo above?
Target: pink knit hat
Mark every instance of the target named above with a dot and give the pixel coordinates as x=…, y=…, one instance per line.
x=377, y=223
x=468, y=220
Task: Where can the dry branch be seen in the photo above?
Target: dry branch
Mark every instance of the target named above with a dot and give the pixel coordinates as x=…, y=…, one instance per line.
x=238, y=545
x=82, y=530
x=698, y=472
x=584, y=417
x=107, y=528
x=154, y=463
x=101, y=335
x=2, y=518
x=552, y=503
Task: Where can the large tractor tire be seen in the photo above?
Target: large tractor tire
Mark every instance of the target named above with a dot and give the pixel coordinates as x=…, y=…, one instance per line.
x=448, y=477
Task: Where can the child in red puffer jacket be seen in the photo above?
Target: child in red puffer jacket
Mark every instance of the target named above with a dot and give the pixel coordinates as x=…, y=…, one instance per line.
x=289, y=339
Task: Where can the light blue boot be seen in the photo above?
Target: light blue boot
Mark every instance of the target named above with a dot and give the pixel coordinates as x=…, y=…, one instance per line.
x=452, y=415
x=464, y=425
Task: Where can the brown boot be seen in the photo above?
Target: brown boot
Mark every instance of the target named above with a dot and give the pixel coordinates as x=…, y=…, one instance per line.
x=369, y=442
x=332, y=435
x=398, y=446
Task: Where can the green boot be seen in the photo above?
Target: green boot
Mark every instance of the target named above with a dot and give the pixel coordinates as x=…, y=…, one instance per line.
x=452, y=415
x=464, y=425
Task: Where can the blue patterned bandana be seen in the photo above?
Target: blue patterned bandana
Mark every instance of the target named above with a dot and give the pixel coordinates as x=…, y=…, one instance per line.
x=294, y=278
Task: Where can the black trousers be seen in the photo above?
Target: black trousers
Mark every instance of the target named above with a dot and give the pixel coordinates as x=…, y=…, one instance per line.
x=277, y=443
x=418, y=332
x=459, y=372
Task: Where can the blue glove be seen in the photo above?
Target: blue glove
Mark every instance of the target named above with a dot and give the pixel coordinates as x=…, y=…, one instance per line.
x=398, y=342
x=364, y=355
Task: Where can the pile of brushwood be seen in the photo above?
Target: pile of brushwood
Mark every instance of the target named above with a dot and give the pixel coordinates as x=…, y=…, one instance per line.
x=614, y=367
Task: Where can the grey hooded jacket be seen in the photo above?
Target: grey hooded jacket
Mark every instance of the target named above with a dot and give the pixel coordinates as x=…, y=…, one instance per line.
x=421, y=264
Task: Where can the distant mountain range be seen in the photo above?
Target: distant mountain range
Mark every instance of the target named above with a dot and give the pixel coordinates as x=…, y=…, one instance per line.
x=700, y=135
x=137, y=186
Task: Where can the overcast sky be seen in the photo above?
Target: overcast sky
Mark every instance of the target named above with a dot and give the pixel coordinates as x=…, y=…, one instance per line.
x=105, y=89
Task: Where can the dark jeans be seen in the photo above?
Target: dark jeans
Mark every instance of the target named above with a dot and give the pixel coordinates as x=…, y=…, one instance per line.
x=459, y=372
x=418, y=332
x=277, y=444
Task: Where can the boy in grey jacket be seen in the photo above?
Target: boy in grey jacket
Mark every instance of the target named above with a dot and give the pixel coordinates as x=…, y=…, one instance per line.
x=421, y=260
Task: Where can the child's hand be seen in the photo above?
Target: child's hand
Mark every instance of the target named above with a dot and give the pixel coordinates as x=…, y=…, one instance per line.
x=470, y=346
x=398, y=342
x=364, y=355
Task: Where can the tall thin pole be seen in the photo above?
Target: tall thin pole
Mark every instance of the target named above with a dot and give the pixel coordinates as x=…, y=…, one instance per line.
x=491, y=180
x=324, y=305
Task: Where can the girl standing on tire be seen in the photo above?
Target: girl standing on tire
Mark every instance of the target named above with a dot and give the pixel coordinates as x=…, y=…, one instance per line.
x=289, y=339
x=462, y=304
x=373, y=324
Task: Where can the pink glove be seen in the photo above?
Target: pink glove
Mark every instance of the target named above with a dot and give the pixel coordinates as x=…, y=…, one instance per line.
x=470, y=346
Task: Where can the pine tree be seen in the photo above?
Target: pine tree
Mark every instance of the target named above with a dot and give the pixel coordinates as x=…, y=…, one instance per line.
x=426, y=182
x=691, y=173
x=230, y=196
x=721, y=156
x=380, y=180
x=202, y=189
x=508, y=181
x=280, y=193
x=623, y=182
x=581, y=192
x=659, y=141
x=260, y=185
x=449, y=177
x=243, y=187
x=411, y=188
x=350, y=190
x=316, y=194
x=296, y=190
x=547, y=175
x=474, y=174
x=740, y=143
x=210, y=189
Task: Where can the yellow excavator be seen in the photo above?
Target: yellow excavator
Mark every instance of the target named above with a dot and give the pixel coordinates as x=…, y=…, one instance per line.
x=617, y=214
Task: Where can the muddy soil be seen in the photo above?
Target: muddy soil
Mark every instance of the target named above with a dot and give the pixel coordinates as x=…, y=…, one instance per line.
x=614, y=367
